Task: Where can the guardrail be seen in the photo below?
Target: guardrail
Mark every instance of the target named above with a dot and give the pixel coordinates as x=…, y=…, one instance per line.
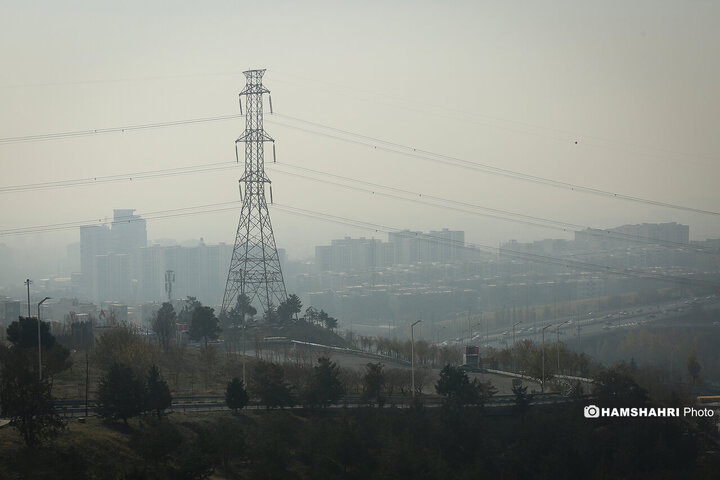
x=76, y=407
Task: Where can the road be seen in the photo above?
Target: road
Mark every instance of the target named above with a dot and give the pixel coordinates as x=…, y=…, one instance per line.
x=592, y=324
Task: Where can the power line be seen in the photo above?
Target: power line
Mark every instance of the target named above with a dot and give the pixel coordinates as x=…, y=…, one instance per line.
x=400, y=149
x=498, y=214
x=102, y=131
x=119, y=80
x=495, y=213
x=531, y=257
x=377, y=144
x=176, y=212
x=394, y=101
x=168, y=172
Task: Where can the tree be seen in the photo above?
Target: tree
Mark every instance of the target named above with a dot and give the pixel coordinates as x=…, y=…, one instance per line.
x=458, y=390
x=422, y=375
x=289, y=308
x=26, y=400
x=324, y=386
x=617, y=388
x=267, y=382
x=311, y=315
x=121, y=394
x=164, y=325
x=191, y=303
x=158, y=397
x=522, y=398
x=323, y=318
x=122, y=345
x=693, y=367
x=242, y=305
x=232, y=321
x=330, y=322
x=373, y=382
x=204, y=325
x=270, y=316
x=235, y=395
x=23, y=334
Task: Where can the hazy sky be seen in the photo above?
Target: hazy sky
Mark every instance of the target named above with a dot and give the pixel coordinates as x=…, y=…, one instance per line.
x=619, y=96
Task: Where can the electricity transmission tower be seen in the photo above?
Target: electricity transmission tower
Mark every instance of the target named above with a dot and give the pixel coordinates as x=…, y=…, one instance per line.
x=255, y=266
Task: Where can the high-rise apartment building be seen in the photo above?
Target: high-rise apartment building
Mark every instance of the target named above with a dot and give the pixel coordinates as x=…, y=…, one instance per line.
x=107, y=256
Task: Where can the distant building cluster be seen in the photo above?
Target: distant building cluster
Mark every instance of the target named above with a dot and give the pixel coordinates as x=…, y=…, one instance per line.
x=627, y=236
x=199, y=271
x=117, y=264
x=595, y=240
x=107, y=256
x=402, y=248
x=367, y=280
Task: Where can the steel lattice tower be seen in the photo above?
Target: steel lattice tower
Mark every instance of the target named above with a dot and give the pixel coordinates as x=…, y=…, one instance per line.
x=255, y=265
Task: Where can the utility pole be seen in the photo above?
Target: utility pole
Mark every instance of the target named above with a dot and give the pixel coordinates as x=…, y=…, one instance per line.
x=513, y=347
x=243, y=325
x=412, y=355
x=542, y=385
x=255, y=265
x=557, y=345
x=469, y=329
x=87, y=364
x=487, y=328
x=39, y=343
x=28, y=282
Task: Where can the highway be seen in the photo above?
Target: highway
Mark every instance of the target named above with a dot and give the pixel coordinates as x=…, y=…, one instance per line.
x=591, y=324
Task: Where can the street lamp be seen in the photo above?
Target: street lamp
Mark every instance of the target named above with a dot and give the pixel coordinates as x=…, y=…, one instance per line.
x=27, y=283
x=542, y=385
x=557, y=330
x=243, y=326
x=512, y=352
x=412, y=355
x=39, y=344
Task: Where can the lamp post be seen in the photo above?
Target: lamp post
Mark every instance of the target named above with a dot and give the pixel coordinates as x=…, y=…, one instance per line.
x=557, y=345
x=487, y=328
x=542, y=385
x=243, y=326
x=28, y=282
x=412, y=355
x=512, y=352
x=39, y=344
